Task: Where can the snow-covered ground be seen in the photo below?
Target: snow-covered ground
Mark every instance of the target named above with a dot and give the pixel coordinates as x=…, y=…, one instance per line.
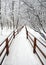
x=21, y=52
x=38, y=36
x=4, y=33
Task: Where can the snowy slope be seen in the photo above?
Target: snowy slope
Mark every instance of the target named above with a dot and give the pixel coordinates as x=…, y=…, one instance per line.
x=43, y=49
x=4, y=33
x=37, y=35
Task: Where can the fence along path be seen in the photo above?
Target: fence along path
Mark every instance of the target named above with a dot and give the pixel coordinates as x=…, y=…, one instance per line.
x=36, y=44
x=21, y=52
x=7, y=42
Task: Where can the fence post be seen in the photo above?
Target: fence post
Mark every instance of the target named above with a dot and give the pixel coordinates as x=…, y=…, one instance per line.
x=26, y=33
x=7, y=47
x=13, y=34
x=34, y=49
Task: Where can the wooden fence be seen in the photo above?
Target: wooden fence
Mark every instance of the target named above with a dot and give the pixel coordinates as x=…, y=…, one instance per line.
x=8, y=42
x=34, y=45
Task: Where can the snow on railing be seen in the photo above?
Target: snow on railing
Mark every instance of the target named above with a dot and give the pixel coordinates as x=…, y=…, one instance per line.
x=34, y=45
x=8, y=42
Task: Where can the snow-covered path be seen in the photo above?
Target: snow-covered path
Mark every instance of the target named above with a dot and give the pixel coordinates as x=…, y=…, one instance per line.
x=21, y=52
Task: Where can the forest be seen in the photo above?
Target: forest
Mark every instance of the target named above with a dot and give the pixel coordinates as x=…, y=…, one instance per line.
x=15, y=13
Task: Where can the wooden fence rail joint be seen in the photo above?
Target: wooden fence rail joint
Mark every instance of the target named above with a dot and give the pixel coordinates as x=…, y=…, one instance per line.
x=34, y=49
x=13, y=34
x=7, y=47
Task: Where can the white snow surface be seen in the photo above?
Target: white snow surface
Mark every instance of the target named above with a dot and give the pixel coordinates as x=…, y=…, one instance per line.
x=37, y=35
x=21, y=52
x=4, y=33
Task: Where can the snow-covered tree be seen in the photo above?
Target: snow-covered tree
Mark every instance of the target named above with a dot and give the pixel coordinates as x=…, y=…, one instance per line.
x=29, y=12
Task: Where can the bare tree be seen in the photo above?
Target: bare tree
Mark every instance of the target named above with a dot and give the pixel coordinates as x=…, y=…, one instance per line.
x=34, y=12
x=41, y=4
x=13, y=12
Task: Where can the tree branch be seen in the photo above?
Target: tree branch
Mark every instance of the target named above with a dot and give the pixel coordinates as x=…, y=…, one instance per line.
x=41, y=4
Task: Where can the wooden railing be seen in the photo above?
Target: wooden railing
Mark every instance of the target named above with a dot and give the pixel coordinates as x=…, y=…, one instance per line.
x=8, y=42
x=34, y=45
